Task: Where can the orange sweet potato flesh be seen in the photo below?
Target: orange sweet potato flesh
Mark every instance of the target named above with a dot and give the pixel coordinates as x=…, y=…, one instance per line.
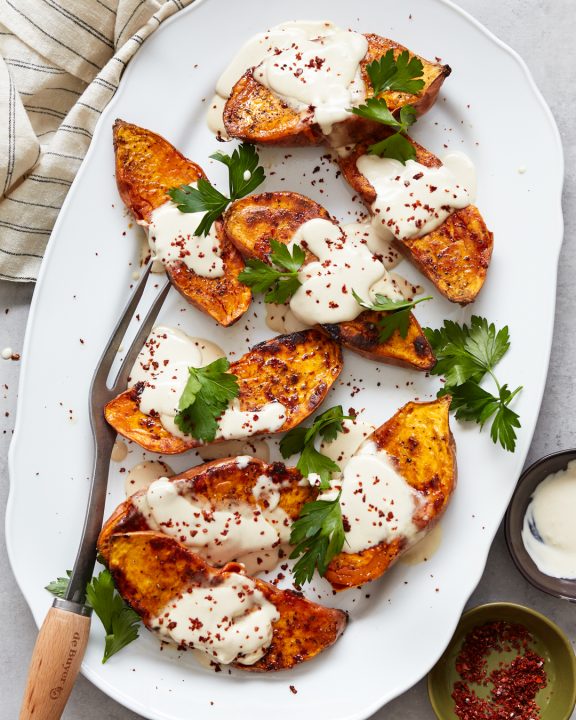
x=296, y=370
x=250, y=223
x=255, y=114
x=150, y=569
x=147, y=166
x=221, y=483
x=455, y=256
x=419, y=440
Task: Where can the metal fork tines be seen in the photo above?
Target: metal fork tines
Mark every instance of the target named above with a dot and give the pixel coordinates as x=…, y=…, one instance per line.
x=104, y=435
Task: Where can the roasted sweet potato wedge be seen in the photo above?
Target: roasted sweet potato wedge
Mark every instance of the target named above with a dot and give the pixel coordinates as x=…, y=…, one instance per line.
x=419, y=439
x=150, y=570
x=147, y=166
x=296, y=370
x=255, y=114
x=456, y=256
x=221, y=483
x=250, y=223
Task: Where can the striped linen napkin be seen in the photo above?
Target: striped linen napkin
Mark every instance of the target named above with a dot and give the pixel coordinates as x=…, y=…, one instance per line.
x=60, y=64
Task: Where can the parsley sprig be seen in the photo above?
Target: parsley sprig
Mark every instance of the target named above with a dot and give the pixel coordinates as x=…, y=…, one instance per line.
x=244, y=176
x=318, y=533
x=466, y=355
x=278, y=281
x=400, y=74
x=301, y=440
x=397, y=317
x=206, y=396
x=120, y=622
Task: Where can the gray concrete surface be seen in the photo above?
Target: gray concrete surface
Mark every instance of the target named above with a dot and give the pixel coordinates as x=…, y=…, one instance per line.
x=543, y=32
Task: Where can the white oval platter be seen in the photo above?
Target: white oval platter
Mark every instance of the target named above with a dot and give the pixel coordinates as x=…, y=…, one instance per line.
x=400, y=625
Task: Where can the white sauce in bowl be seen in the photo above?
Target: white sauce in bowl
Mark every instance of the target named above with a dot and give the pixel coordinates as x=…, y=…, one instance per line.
x=312, y=66
x=549, y=530
x=230, y=621
x=172, y=239
x=412, y=200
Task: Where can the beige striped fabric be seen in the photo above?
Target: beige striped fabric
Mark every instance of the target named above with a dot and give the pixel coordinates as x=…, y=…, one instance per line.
x=60, y=64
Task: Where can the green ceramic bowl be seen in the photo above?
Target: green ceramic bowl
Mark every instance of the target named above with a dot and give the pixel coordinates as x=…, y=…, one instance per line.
x=556, y=701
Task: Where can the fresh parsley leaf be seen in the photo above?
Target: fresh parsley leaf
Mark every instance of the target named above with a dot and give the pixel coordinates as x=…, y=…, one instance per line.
x=466, y=354
x=125, y=625
x=397, y=315
x=206, y=396
x=244, y=173
x=318, y=535
x=244, y=176
x=301, y=440
x=59, y=586
x=311, y=461
x=400, y=74
x=396, y=147
x=120, y=621
x=278, y=284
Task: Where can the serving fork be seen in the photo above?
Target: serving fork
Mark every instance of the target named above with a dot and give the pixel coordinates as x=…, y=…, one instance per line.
x=63, y=637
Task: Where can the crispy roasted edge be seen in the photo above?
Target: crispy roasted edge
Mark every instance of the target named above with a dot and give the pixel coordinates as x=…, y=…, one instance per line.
x=255, y=114
x=251, y=222
x=419, y=440
x=296, y=370
x=455, y=256
x=220, y=482
x=150, y=569
x=147, y=166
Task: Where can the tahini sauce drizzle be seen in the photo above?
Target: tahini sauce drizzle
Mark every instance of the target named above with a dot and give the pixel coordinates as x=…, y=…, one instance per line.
x=252, y=534
x=378, y=505
x=162, y=368
x=412, y=199
x=172, y=239
x=313, y=66
x=345, y=263
x=230, y=620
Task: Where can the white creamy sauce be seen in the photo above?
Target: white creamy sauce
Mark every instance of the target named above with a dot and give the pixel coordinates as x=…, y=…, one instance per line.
x=252, y=534
x=343, y=447
x=312, y=66
x=412, y=199
x=364, y=233
x=344, y=263
x=214, y=117
x=236, y=423
x=162, y=368
x=171, y=237
x=378, y=505
x=141, y=476
x=549, y=531
x=119, y=451
x=230, y=621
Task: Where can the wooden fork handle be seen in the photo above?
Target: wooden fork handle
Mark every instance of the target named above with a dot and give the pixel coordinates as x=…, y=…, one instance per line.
x=56, y=661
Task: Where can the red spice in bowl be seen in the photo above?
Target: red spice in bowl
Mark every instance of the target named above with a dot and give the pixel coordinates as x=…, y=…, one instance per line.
x=513, y=684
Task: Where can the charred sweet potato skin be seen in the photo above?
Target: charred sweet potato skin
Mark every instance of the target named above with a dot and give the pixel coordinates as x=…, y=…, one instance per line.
x=296, y=370
x=255, y=114
x=250, y=224
x=419, y=440
x=221, y=483
x=147, y=166
x=150, y=569
x=455, y=256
